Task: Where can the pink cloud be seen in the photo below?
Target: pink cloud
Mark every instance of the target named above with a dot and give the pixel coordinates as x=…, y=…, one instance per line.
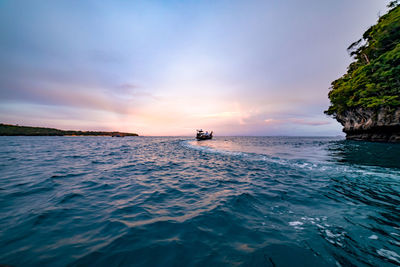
x=307, y=122
x=296, y=121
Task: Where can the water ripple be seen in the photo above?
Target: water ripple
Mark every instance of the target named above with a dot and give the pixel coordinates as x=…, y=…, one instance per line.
x=102, y=201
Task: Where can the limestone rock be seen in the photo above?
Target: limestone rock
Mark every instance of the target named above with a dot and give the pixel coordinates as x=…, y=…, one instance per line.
x=381, y=124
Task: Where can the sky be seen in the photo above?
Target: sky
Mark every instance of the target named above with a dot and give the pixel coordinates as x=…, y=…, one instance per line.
x=171, y=67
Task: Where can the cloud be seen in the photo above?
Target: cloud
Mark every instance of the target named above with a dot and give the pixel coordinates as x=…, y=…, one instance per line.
x=272, y=121
x=308, y=122
x=133, y=91
x=297, y=121
x=127, y=86
x=170, y=66
x=64, y=94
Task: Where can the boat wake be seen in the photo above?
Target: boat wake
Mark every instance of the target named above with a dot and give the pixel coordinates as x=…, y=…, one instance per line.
x=201, y=147
x=305, y=164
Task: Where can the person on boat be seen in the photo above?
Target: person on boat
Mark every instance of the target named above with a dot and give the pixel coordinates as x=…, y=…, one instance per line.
x=206, y=133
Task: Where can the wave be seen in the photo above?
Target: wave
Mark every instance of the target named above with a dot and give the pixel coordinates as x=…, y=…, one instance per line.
x=319, y=166
x=169, y=201
x=189, y=144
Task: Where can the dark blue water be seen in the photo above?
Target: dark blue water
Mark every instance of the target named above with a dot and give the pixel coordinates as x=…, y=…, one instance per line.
x=253, y=201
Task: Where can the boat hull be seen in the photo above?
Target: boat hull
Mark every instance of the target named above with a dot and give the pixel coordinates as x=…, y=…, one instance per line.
x=203, y=137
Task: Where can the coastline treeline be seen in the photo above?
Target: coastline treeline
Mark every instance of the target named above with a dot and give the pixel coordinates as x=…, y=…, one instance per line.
x=372, y=81
x=16, y=130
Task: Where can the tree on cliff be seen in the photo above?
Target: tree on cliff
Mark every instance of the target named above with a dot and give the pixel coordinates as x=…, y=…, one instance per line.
x=373, y=79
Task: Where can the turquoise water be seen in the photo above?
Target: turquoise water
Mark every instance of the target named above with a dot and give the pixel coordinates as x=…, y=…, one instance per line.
x=173, y=201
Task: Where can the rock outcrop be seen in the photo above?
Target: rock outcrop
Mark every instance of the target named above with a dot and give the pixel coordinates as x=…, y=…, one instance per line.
x=381, y=125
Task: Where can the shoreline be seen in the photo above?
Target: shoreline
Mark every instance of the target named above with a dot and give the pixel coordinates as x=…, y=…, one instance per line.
x=16, y=130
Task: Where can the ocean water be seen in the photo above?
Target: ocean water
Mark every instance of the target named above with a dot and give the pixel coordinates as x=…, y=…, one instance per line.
x=173, y=201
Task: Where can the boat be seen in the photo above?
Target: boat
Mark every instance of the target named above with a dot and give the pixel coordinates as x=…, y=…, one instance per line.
x=201, y=135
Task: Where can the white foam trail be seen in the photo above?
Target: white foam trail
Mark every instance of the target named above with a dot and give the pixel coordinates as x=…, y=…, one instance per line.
x=391, y=255
x=212, y=150
x=295, y=223
x=311, y=166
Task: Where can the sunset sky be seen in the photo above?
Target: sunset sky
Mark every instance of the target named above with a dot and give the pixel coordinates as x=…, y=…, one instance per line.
x=170, y=67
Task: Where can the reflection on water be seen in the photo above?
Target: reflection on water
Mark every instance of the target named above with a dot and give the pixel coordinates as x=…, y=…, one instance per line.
x=285, y=147
x=259, y=201
x=385, y=155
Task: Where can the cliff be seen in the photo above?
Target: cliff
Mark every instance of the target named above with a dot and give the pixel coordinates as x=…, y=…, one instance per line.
x=366, y=99
x=381, y=125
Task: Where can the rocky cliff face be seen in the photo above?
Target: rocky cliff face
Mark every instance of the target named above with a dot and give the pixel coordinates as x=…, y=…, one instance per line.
x=371, y=124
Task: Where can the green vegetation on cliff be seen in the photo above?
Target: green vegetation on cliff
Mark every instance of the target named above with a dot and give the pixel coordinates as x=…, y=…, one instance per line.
x=13, y=130
x=373, y=79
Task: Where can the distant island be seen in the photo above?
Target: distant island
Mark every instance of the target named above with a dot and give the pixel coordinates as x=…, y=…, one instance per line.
x=16, y=130
x=366, y=100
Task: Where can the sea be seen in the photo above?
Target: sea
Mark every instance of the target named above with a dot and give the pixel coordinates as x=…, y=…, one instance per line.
x=175, y=201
